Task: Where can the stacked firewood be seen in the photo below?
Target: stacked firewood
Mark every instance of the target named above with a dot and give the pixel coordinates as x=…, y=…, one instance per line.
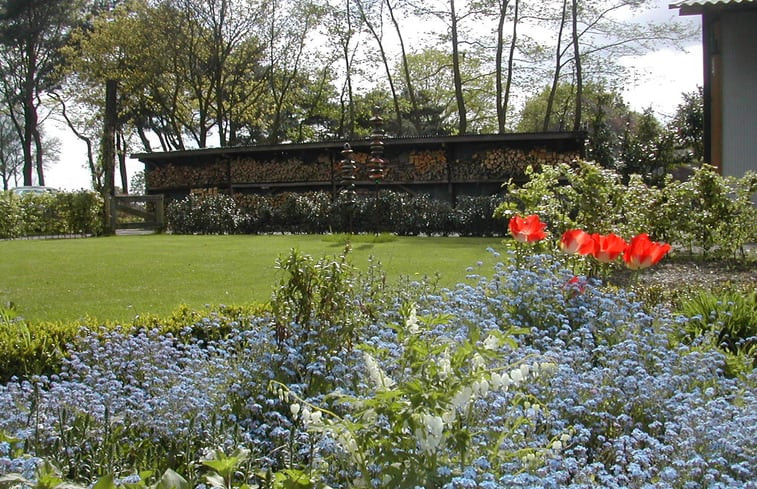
x=429, y=166
x=250, y=170
x=503, y=163
x=169, y=176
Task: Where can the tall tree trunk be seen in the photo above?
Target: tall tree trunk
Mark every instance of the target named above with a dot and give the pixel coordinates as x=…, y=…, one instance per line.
x=498, y=66
x=387, y=68
x=511, y=60
x=558, y=66
x=38, y=156
x=457, y=77
x=405, y=69
x=348, y=68
x=577, y=115
x=121, y=154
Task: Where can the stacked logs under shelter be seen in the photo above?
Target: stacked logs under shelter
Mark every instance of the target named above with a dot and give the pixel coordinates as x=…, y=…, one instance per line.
x=443, y=165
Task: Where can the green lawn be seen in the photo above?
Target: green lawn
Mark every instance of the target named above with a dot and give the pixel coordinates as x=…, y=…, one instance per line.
x=117, y=278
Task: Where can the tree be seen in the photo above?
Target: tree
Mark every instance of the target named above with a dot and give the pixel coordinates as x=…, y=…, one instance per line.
x=453, y=19
x=605, y=113
x=503, y=85
x=11, y=152
x=288, y=26
x=646, y=148
x=32, y=33
x=687, y=126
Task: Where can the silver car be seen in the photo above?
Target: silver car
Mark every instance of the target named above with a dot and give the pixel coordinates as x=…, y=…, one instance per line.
x=34, y=189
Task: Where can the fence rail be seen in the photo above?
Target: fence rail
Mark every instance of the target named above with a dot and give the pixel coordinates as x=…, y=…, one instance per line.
x=137, y=212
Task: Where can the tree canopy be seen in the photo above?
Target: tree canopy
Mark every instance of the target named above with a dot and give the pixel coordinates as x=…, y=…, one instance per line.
x=198, y=73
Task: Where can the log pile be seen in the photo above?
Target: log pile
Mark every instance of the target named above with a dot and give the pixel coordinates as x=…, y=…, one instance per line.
x=421, y=166
x=428, y=166
x=501, y=163
x=249, y=170
x=170, y=176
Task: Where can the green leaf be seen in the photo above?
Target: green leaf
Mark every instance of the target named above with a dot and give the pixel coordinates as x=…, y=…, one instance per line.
x=171, y=480
x=105, y=482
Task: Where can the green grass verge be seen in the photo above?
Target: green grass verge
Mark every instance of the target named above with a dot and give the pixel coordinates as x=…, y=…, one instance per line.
x=118, y=278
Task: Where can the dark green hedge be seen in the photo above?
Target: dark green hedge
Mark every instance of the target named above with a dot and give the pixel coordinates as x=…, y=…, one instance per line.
x=316, y=212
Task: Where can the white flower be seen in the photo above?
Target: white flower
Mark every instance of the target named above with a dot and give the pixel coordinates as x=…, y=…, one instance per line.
x=516, y=375
x=448, y=416
x=294, y=409
x=491, y=342
x=380, y=380
x=411, y=323
x=525, y=369
x=432, y=435
x=481, y=387
x=445, y=367
x=478, y=362
x=462, y=397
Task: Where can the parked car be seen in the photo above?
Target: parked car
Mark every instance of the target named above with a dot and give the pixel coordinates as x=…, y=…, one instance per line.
x=34, y=189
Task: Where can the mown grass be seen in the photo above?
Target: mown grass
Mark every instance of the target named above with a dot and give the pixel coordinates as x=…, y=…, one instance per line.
x=118, y=278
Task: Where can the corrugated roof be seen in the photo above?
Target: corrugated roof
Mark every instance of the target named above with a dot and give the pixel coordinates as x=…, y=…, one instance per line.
x=696, y=6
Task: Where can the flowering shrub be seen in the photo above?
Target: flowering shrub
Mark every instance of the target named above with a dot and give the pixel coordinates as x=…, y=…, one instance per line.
x=315, y=212
x=708, y=213
x=444, y=397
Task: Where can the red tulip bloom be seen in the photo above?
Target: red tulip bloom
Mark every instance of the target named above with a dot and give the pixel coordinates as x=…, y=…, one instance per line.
x=643, y=253
x=577, y=241
x=528, y=229
x=608, y=247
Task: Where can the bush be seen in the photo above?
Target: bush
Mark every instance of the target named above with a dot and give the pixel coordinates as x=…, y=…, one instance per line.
x=729, y=316
x=316, y=212
x=50, y=214
x=708, y=213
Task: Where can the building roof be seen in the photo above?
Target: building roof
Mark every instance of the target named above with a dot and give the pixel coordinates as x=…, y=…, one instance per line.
x=236, y=151
x=693, y=7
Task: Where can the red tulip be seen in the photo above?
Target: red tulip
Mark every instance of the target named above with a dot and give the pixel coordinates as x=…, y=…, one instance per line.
x=528, y=229
x=643, y=253
x=575, y=286
x=577, y=241
x=608, y=247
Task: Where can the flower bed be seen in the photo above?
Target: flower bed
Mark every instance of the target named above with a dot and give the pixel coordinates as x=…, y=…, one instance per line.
x=523, y=379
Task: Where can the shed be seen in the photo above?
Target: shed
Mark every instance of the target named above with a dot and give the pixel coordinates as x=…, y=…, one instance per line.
x=443, y=166
x=729, y=46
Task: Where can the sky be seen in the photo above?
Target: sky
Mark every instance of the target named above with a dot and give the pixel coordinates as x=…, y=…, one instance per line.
x=661, y=77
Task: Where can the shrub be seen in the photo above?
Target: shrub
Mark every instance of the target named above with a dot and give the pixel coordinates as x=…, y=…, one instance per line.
x=708, y=213
x=729, y=316
x=50, y=214
x=316, y=212
x=198, y=214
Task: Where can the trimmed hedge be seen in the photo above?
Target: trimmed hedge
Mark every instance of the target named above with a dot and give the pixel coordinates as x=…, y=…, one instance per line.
x=315, y=212
x=50, y=214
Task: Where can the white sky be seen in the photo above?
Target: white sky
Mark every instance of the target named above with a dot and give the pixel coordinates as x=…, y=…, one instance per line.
x=662, y=77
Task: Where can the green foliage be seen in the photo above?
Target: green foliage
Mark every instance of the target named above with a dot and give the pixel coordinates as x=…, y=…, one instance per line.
x=50, y=214
x=730, y=317
x=321, y=306
x=27, y=349
x=397, y=434
x=37, y=348
x=687, y=126
x=316, y=212
x=714, y=213
x=708, y=213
